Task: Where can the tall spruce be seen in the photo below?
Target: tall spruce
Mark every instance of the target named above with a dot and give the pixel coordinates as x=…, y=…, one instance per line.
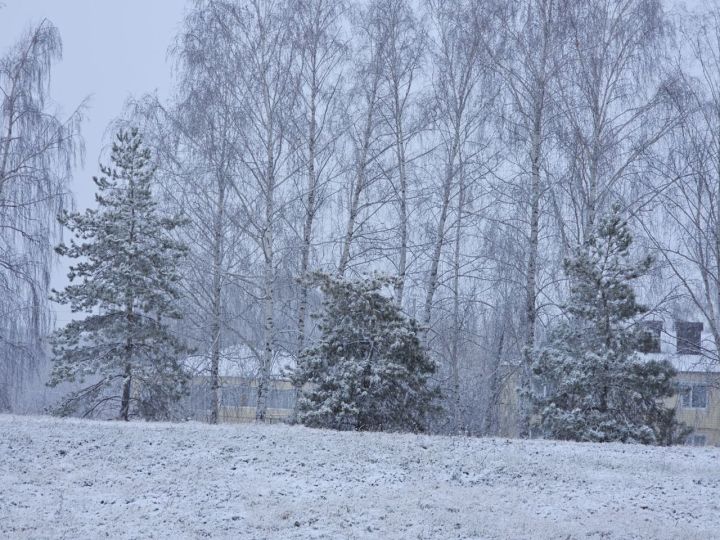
x=369, y=370
x=125, y=279
x=591, y=384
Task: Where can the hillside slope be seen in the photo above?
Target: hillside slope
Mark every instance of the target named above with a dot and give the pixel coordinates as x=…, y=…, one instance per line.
x=82, y=479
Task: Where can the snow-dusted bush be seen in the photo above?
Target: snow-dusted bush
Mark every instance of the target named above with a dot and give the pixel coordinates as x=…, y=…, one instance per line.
x=369, y=370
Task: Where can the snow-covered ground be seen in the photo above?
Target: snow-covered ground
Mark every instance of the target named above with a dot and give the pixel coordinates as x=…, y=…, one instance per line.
x=82, y=479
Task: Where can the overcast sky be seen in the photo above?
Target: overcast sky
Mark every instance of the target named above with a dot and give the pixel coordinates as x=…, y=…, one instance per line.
x=111, y=50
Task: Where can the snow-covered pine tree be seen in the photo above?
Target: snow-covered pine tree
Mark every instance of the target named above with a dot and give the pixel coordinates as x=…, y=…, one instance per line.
x=590, y=383
x=369, y=370
x=126, y=281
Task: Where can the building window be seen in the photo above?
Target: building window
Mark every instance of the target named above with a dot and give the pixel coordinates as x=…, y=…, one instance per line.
x=239, y=395
x=281, y=398
x=688, y=337
x=695, y=440
x=650, y=336
x=693, y=396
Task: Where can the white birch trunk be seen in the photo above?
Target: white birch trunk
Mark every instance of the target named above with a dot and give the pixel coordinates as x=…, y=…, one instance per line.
x=531, y=272
x=310, y=210
x=432, y=280
x=362, y=156
x=455, y=351
x=401, y=161
x=263, y=386
x=216, y=307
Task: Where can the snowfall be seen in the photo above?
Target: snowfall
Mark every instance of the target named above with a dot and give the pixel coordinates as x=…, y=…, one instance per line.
x=84, y=479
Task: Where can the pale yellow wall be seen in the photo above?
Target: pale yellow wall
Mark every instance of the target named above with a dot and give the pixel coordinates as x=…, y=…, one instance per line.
x=508, y=425
x=275, y=384
x=239, y=415
x=702, y=421
x=243, y=415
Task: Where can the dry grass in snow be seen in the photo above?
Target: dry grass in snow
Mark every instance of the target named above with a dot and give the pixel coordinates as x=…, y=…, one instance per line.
x=83, y=479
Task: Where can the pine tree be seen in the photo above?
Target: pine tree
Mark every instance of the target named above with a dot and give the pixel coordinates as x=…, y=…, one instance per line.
x=125, y=279
x=369, y=371
x=591, y=384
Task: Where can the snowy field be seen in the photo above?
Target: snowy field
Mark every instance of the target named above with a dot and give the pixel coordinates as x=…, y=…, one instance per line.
x=81, y=479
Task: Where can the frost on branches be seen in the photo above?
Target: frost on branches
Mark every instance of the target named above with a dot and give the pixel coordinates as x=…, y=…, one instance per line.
x=125, y=279
x=590, y=383
x=369, y=371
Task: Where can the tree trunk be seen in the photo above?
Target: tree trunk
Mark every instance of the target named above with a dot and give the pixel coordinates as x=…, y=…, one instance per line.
x=129, y=346
x=268, y=292
x=531, y=283
x=490, y=420
x=307, y=234
x=455, y=360
x=268, y=329
x=432, y=281
x=125, y=399
x=309, y=220
x=130, y=318
x=400, y=151
x=360, y=177
x=352, y=217
x=8, y=139
x=216, y=327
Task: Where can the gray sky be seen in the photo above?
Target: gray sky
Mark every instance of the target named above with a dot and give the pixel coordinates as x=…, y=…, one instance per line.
x=112, y=49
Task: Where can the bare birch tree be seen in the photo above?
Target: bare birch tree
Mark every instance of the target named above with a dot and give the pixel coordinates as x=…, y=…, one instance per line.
x=323, y=52
x=363, y=120
x=530, y=70
x=614, y=101
x=684, y=225
x=259, y=46
x=38, y=151
x=401, y=66
x=199, y=171
x=195, y=140
x=461, y=101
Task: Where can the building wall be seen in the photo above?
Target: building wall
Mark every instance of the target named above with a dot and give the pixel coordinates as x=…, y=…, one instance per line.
x=239, y=407
x=509, y=404
x=246, y=415
x=239, y=400
x=704, y=421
